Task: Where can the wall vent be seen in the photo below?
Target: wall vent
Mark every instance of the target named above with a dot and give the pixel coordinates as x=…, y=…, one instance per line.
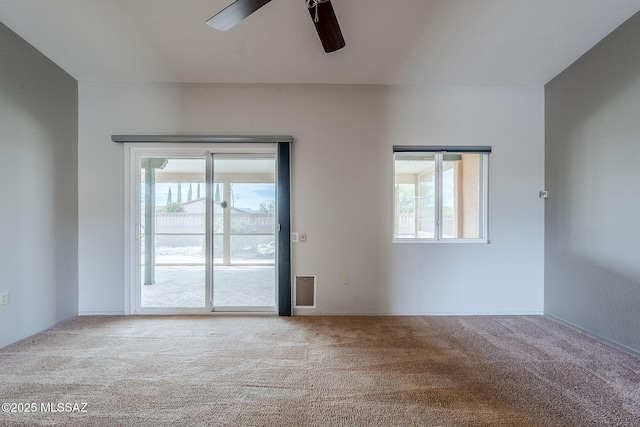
x=305, y=291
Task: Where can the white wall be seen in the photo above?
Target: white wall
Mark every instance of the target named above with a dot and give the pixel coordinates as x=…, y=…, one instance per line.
x=342, y=187
x=506, y=275
x=38, y=204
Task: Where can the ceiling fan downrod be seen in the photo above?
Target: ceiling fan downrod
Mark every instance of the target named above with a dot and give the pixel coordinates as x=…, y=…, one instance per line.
x=314, y=3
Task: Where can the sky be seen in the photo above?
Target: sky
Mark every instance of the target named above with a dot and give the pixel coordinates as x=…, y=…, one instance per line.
x=247, y=196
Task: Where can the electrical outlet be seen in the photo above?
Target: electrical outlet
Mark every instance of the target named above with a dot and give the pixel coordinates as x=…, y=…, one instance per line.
x=346, y=279
x=4, y=298
x=303, y=237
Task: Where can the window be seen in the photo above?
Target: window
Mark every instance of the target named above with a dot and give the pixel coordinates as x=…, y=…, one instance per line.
x=440, y=194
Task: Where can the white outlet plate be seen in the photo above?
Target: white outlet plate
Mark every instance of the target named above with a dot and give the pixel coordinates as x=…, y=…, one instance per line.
x=4, y=298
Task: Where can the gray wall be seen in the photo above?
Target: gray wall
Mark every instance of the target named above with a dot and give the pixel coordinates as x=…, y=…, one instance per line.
x=38, y=190
x=592, y=215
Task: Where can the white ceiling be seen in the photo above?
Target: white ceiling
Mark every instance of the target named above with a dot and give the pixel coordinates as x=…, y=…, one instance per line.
x=436, y=42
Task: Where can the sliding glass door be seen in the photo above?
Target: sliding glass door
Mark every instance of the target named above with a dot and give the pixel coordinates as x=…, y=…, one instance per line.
x=172, y=215
x=244, y=237
x=205, y=235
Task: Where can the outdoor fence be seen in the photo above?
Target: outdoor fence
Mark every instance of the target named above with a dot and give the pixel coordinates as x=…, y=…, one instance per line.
x=407, y=224
x=250, y=232
x=188, y=222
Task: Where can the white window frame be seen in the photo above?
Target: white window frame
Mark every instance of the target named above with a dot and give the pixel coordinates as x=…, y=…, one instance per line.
x=439, y=152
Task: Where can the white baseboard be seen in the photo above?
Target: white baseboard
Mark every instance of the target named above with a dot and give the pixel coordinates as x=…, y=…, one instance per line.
x=101, y=313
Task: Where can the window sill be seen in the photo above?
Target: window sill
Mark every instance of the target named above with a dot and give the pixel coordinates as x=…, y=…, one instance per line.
x=434, y=241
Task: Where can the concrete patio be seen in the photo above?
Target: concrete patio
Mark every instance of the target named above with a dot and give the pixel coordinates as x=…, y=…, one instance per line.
x=234, y=286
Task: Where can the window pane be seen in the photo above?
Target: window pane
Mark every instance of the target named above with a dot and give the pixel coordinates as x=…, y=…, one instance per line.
x=253, y=208
x=426, y=204
x=253, y=249
x=406, y=209
x=462, y=196
x=415, y=195
x=172, y=251
x=218, y=248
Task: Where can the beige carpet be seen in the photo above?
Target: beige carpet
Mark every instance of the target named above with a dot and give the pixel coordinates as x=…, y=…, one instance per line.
x=318, y=371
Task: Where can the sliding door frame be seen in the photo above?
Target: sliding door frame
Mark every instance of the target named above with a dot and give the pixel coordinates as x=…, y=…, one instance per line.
x=283, y=228
x=195, y=146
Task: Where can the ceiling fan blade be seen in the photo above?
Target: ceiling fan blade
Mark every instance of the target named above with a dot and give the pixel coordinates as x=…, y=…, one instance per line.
x=234, y=13
x=327, y=26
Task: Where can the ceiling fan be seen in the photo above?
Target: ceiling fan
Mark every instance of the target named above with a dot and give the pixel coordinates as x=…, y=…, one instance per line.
x=324, y=18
